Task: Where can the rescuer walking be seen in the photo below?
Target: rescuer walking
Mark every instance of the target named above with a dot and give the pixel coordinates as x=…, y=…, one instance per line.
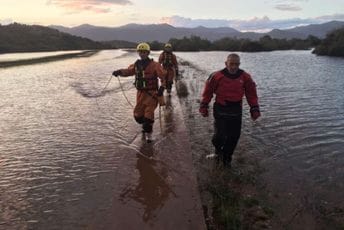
x=229, y=85
x=149, y=94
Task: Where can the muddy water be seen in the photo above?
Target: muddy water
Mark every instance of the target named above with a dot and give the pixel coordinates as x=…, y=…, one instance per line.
x=299, y=140
x=64, y=141
x=21, y=56
x=71, y=156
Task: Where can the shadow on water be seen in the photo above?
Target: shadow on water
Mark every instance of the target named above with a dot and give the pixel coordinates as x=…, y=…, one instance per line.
x=152, y=189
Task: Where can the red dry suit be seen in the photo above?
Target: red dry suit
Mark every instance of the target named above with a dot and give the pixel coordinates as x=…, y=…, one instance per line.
x=229, y=90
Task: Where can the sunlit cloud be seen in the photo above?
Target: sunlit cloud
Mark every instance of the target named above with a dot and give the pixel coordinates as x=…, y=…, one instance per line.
x=188, y=22
x=96, y=6
x=6, y=21
x=255, y=24
x=288, y=7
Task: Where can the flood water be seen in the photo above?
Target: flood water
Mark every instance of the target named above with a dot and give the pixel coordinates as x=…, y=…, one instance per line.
x=298, y=141
x=62, y=136
x=21, y=56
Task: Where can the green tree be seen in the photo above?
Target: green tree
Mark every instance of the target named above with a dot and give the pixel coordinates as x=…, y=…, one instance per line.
x=332, y=45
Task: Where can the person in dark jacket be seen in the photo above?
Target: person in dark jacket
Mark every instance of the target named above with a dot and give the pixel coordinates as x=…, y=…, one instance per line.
x=229, y=85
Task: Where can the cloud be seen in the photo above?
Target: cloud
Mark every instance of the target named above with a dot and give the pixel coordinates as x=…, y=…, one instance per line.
x=255, y=24
x=96, y=6
x=188, y=22
x=6, y=21
x=288, y=7
x=339, y=17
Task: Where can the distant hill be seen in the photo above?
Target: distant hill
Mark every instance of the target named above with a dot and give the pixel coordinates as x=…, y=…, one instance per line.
x=23, y=38
x=317, y=30
x=163, y=32
x=154, y=32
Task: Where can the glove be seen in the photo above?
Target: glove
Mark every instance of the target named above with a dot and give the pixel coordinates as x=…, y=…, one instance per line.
x=161, y=91
x=203, y=110
x=255, y=113
x=117, y=73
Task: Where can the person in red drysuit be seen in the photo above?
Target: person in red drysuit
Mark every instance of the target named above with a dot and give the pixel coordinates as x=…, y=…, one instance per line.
x=229, y=85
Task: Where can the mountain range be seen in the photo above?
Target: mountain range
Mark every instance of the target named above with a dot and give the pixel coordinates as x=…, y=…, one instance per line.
x=164, y=32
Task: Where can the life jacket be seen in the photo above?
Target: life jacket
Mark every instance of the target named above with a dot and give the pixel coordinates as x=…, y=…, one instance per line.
x=167, y=60
x=144, y=81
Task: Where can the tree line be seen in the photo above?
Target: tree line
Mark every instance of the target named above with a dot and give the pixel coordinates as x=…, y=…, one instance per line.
x=332, y=45
x=265, y=43
x=23, y=38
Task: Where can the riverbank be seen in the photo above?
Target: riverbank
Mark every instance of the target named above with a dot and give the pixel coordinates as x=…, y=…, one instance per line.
x=30, y=61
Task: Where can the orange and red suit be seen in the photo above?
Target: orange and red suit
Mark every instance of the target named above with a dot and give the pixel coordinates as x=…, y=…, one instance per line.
x=146, y=74
x=169, y=61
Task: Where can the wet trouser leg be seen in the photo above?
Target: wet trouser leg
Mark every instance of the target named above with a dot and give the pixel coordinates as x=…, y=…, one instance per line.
x=169, y=86
x=147, y=125
x=233, y=128
x=226, y=136
x=144, y=110
x=169, y=79
x=218, y=139
x=139, y=120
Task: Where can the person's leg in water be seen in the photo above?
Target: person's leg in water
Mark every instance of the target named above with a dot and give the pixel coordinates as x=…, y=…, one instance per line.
x=144, y=113
x=233, y=131
x=151, y=104
x=139, y=113
x=219, y=138
x=169, y=80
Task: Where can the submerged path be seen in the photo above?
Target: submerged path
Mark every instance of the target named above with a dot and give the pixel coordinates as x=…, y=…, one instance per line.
x=157, y=185
x=30, y=61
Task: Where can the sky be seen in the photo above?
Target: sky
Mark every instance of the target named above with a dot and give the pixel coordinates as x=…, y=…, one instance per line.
x=243, y=15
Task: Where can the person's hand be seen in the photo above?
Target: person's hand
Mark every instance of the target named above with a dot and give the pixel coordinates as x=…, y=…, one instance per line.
x=255, y=112
x=161, y=91
x=203, y=110
x=117, y=73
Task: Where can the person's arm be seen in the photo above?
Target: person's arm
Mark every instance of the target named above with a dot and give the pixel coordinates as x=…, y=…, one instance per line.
x=161, y=73
x=251, y=96
x=175, y=64
x=128, y=71
x=209, y=89
x=207, y=95
x=161, y=58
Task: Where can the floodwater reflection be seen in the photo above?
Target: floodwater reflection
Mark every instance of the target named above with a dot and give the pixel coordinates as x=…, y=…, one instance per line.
x=152, y=189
